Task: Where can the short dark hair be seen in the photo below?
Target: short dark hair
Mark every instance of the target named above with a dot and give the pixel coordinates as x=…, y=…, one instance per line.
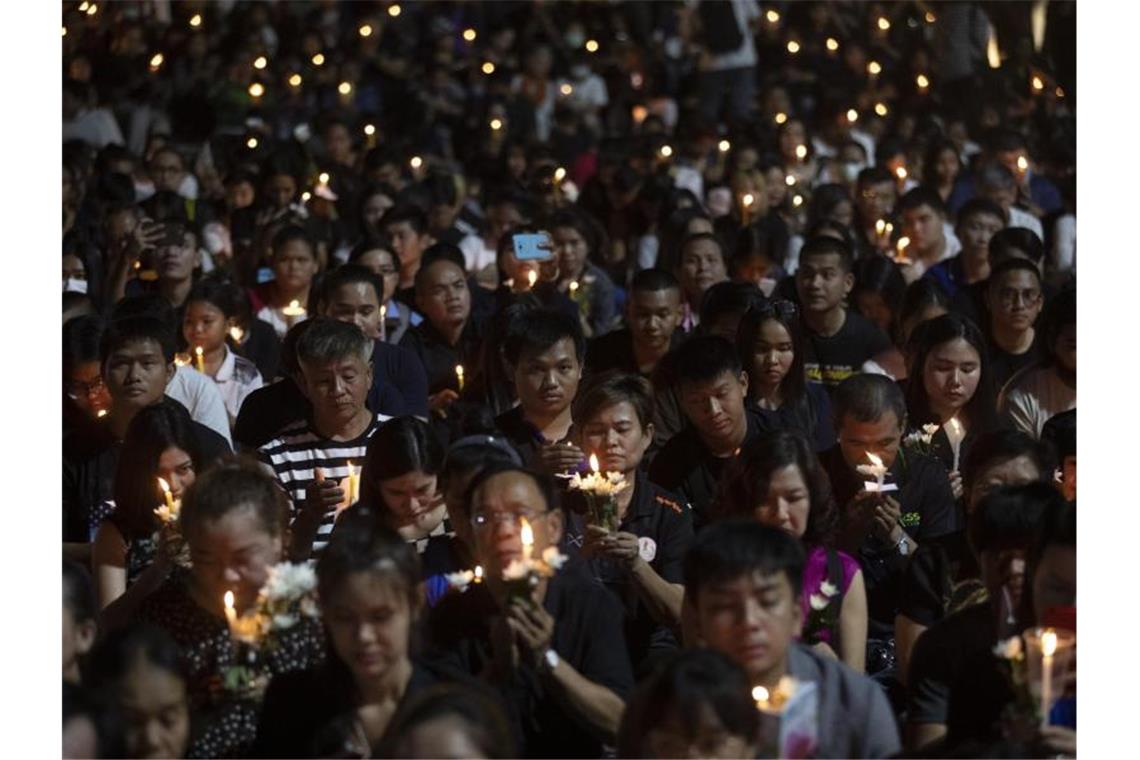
x=745, y=483
x=81, y=341
x=732, y=548
x=867, y=397
x=363, y=541
x=1012, y=265
x=824, y=245
x=921, y=196
x=235, y=483
x=697, y=237
x=874, y=175
x=290, y=233
x=1016, y=238
x=116, y=653
x=221, y=294
x=610, y=388
x=473, y=704
x=543, y=482
x=1010, y=517
x=536, y=330
x=137, y=329
x=994, y=175
x=729, y=298
x=681, y=688
x=1001, y=446
x=1002, y=139
x=436, y=253
x=78, y=591
x=399, y=446
x=703, y=358
x=652, y=280
x=349, y=274
x=405, y=212
x=329, y=340
x=1060, y=434
x=977, y=207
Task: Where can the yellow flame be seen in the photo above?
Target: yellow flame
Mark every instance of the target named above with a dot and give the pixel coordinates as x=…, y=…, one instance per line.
x=884, y=24
x=196, y=20
x=229, y=600
x=1049, y=643
x=773, y=17
x=594, y=462
x=566, y=89
x=881, y=109
x=496, y=124
x=793, y=47
x=801, y=151
x=251, y=143
x=874, y=67
x=156, y=60
x=164, y=485
x=922, y=81
x=488, y=68
x=832, y=44
x=875, y=460
x=365, y=30
x=901, y=172
x=393, y=10
x=852, y=115
x=478, y=573
x=318, y=59
x=880, y=227
x=369, y=129
x=295, y=80
x=748, y=199
x=723, y=146
x=1022, y=163
x=781, y=117
x=416, y=162
x=469, y=35
x=256, y=90
x=532, y=277
x=666, y=151
x=260, y=62
x=101, y=413
x=591, y=46
x=760, y=694
x=526, y=533
x=344, y=88
x=559, y=174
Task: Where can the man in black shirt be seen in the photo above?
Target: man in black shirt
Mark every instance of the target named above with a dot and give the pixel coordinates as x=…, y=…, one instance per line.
x=653, y=314
x=1014, y=297
x=558, y=657
x=712, y=387
x=137, y=360
x=407, y=227
x=839, y=340
x=883, y=529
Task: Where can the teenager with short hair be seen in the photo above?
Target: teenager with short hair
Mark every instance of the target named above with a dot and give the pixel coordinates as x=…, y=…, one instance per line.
x=978, y=221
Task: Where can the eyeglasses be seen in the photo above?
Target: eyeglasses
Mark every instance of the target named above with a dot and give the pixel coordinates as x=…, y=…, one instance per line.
x=484, y=520
x=785, y=309
x=78, y=389
x=1011, y=296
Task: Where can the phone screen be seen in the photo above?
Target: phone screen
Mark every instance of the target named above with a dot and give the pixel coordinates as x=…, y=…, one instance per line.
x=532, y=247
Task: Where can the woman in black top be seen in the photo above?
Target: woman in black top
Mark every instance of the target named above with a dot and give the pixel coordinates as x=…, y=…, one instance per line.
x=368, y=580
x=770, y=342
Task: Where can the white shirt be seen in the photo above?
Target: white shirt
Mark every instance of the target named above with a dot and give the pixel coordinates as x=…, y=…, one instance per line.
x=1021, y=218
x=476, y=255
x=745, y=55
x=199, y=394
x=1034, y=395
x=236, y=379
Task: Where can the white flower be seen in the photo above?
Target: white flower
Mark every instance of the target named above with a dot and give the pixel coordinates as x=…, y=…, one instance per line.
x=517, y=570
x=930, y=429
x=460, y=580
x=870, y=470
x=289, y=582
x=1010, y=649
x=827, y=589
x=553, y=558
x=168, y=515
x=310, y=608
x=284, y=621
x=818, y=602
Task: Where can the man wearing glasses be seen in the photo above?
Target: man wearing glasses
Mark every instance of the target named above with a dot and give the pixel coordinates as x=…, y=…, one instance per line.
x=1013, y=295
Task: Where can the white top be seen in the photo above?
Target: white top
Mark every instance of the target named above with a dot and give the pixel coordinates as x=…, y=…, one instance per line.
x=1064, y=253
x=745, y=55
x=1022, y=218
x=199, y=394
x=236, y=379
x=476, y=255
x=280, y=322
x=1034, y=395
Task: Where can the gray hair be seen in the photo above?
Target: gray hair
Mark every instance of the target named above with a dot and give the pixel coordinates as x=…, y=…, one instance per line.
x=330, y=340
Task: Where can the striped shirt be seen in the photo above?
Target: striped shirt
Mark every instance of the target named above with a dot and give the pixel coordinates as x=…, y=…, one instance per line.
x=295, y=453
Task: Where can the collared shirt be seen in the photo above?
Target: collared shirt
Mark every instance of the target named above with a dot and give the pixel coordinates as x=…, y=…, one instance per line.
x=663, y=523
x=236, y=379
x=522, y=434
x=927, y=511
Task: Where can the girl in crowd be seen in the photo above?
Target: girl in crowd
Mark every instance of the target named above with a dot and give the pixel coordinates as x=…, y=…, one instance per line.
x=127, y=561
x=922, y=300
x=778, y=481
x=940, y=168
x=233, y=519
x=449, y=720
x=698, y=704
x=368, y=582
x=878, y=290
x=575, y=240
x=614, y=416
x=295, y=264
x=211, y=314
x=399, y=483
x=140, y=669
x=948, y=381
x=376, y=254
x=771, y=345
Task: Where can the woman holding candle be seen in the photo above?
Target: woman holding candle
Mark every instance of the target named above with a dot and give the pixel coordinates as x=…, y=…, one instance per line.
x=770, y=342
x=127, y=561
x=640, y=559
x=949, y=387
x=778, y=481
x=575, y=239
x=211, y=313
x=233, y=519
x=368, y=582
x=400, y=487
x=282, y=302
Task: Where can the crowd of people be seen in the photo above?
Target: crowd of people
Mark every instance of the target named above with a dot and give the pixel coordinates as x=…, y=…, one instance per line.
x=568, y=379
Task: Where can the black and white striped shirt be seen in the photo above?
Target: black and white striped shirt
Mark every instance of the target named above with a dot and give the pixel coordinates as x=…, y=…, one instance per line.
x=298, y=449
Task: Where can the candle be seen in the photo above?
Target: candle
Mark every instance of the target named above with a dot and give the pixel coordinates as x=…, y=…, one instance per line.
x=353, y=495
x=478, y=573
x=594, y=462
x=1048, y=649
x=876, y=469
x=526, y=534
x=199, y=359
x=900, y=172
x=760, y=696
x=531, y=279
x=231, y=613
x=166, y=492
x=459, y=375
x=101, y=413
x=955, y=432
x=901, y=257
x=801, y=152
x=294, y=309
x=237, y=334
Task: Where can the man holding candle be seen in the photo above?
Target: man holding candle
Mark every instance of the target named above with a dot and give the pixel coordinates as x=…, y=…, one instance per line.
x=924, y=224
x=742, y=598
x=311, y=458
x=558, y=656
x=295, y=264
x=882, y=526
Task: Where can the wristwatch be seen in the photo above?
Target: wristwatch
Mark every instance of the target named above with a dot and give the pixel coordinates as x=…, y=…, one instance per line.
x=550, y=660
x=903, y=545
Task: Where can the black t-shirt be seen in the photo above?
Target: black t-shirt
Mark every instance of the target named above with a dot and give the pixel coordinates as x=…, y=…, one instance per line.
x=940, y=655
x=524, y=436
x=928, y=511
x=685, y=466
x=810, y=416
x=439, y=357
x=614, y=350
x=1003, y=365
x=587, y=635
x=664, y=523
x=941, y=575
x=831, y=360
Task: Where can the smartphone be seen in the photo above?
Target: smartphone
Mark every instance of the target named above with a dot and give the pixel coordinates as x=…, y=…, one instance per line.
x=533, y=247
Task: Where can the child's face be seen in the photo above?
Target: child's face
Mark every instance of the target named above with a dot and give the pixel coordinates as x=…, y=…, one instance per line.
x=204, y=325
x=295, y=265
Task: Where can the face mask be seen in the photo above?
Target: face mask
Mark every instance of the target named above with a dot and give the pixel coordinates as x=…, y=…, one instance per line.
x=72, y=285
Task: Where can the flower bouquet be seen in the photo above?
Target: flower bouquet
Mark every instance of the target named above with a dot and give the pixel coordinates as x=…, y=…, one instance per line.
x=288, y=596
x=169, y=537
x=1035, y=665
x=822, y=616
x=601, y=492
x=920, y=440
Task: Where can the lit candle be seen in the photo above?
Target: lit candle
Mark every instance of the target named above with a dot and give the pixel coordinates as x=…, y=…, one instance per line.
x=724, y=146
x=231, y=613
x=594, y=462
x=877, y=469
x=901, y=174
x=955, y=432
x=901, y=257
x=459, y=375
x=101, y=413
x=365, y=30
x=526, y=535
x=478, y=573
x=293, y=309
x=1048, y=649
x=237, y=334
x=166, y=492
x=801, y=152
x=531, y=279
x=353, y=485
x=199, y=359
x=573, y=288
x=666, y=151
x=760, y=697
x=383, y=322
x=1022, y=164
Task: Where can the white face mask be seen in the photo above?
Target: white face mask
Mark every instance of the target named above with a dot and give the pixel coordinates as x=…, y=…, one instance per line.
x=72, y=285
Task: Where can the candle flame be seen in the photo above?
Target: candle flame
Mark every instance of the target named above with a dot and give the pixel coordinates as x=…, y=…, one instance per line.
x=723, y=146
x=459, y=370
x=101, y=413
x=318, y=59
x=526, y=533
x=488, y=68
x=666, y=151
x=573, y=286
x=880, y=227
x=478, y=573
x=164, y=485
x=559, y=174
x=760, y=694
x=416, y=162
x=903, y=242
x=781, y=117
x=198, y=350
x=351, y=470
x=875, y=460
x=1022, y=163
x=801, y=151
x=237, y=333
x=229, y=600
x=594, y=462
x=294, y=304
x=532, y=277
x=748, y=199
x=901, y=172
x=1048, y=643
x=469, y=35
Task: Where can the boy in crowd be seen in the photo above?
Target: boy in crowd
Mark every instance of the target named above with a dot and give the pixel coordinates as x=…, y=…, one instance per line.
x=924, y=224
x=978, y=221
x=653, y=314
x=702, y=264
x=407, y=228
x=1014, y=295
x=839, y=340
